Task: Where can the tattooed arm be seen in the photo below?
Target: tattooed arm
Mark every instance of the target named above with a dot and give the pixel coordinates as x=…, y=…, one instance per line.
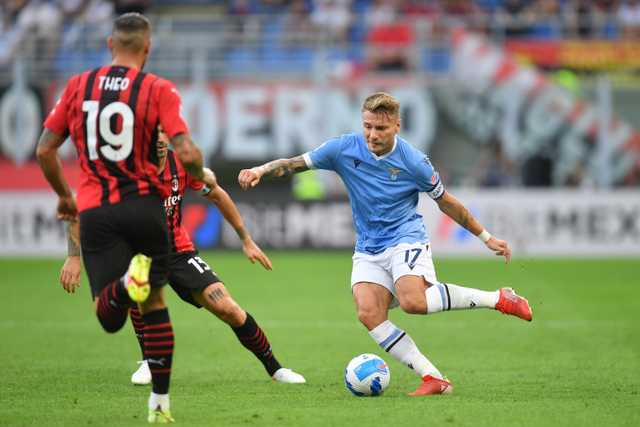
x=47, y=154
x=191, y=159
x=281, y=168
x=72, y=269
x=228, y=209
x=455, y=210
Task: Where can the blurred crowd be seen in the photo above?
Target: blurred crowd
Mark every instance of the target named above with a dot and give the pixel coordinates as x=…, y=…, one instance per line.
x=375, y=35
x=388, y=28
x=41, y=27
x=583, y=18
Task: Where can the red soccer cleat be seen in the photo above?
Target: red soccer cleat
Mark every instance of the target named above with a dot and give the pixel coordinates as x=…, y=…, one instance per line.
x=510, y=303
x=432, y=385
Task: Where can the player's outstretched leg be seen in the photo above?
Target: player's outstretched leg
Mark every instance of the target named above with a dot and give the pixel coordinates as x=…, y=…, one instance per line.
x=399, y=344
x=445, y=297
x=142, y=376
x=158, y=335
x=510, y=303
x=137, y=278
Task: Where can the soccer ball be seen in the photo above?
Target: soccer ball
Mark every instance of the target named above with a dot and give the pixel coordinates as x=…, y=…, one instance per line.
x=367, y=375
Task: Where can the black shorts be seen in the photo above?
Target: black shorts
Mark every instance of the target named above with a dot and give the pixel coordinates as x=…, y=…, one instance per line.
x=111, y=235
x=189, y=273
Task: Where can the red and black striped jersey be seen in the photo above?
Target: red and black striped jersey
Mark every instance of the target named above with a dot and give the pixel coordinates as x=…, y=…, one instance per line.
x=176, y=180
x=112, y=114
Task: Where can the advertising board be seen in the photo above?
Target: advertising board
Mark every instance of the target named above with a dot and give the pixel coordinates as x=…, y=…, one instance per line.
x=540, y=223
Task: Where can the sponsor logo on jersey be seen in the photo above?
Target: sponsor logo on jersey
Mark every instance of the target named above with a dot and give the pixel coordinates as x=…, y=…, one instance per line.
x=434, y=178
x=394, y=173
x=356, y=162
x=170, y=202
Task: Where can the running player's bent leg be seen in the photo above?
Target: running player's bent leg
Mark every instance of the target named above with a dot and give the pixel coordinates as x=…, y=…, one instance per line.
x=372, y=302
x=414, y=276
x=112, y=306
x=217, y=300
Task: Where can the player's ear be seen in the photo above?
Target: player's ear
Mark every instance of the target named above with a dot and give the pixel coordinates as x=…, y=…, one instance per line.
x=110, y=43
x=398, y=126
x=146, y=46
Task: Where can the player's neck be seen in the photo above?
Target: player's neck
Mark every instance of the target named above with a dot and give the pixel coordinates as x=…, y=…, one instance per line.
x=162, y=162
x=128, y=61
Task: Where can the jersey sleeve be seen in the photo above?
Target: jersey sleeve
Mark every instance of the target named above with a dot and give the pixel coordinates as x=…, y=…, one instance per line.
x=171, y=110
x=197, y=186
x=324, y=156
x=57, y=120
x=428, y=179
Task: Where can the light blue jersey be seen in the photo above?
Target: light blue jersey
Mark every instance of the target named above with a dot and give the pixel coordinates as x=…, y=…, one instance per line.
x=383, y=189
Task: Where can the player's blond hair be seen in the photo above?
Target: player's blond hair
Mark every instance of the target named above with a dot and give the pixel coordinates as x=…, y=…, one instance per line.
x=381, y=102
x=131, y=31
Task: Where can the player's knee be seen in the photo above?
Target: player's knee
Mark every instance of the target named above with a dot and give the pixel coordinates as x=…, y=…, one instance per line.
x=370, y=318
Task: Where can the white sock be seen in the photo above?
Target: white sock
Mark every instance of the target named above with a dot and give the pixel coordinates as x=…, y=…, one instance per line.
x=399, y=344
x=445, y=297
x=124, y=280
x=161, y=400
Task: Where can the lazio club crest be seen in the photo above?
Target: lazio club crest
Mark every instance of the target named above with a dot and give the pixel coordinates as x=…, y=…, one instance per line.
x=394, y=173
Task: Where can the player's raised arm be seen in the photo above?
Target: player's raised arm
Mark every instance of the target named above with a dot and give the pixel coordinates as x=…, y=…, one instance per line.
x=280, y=168
x=72, y=269
x=191, y=159
x=228, y=209
x=47, y=154
x=455, y=210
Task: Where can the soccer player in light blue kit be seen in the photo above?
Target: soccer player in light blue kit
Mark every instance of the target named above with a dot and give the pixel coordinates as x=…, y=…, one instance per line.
x=392, y=263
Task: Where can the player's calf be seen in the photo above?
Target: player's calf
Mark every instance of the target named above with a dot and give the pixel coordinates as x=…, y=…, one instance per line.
x=217, y=300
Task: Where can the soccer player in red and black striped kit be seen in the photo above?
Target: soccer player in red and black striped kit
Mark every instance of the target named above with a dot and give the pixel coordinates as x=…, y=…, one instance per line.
x=189, y=276
x=111, y=114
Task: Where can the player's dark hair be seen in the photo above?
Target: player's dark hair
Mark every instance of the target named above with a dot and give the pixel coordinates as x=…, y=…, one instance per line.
x=130, y=32
x=131, y=23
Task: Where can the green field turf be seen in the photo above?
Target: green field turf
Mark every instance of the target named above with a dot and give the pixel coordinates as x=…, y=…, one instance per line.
x=576, y=364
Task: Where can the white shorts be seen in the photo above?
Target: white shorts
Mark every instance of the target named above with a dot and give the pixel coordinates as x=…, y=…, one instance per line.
x=405, y=259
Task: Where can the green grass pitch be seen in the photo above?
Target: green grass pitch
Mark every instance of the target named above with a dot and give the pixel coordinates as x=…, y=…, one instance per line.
x=576, y=364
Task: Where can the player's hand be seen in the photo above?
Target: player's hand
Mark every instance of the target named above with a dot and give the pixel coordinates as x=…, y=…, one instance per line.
x=249, y=177
x=71, y=273
x=67, y=208
x=501, y=248
x=209, y=178
x=253, y=252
